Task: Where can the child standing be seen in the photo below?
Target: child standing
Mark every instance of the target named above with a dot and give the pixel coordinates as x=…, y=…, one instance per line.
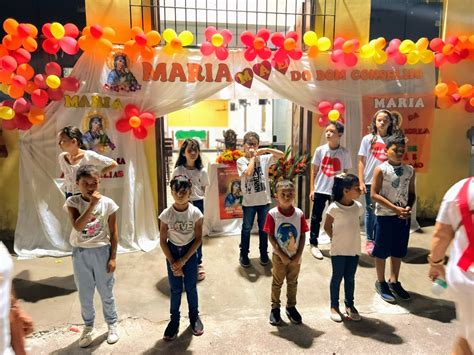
x=189, y=164
x=329, y=160
x=393, y=190
x=285, y=226
x=253, y=172
x=74, y=155
x=371, y=155
x=94, y=240
x=342, y=226
x=180, y=236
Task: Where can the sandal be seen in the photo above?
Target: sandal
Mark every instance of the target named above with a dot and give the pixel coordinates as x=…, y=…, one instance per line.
x=201, y=273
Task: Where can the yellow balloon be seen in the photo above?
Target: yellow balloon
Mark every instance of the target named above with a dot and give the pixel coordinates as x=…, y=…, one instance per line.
x=379, y=43
x=324, y=44
x=57, y=30
x=407, y=46
x=333, y=115
x=441, y=89
x=6, y=113
x=53, y=81
x=134, y=121
x=427, y=56
x=465, y=90
x=422, y=43
x=4, y=88
x=310, y=38
x=413, y=57
x=380, y=57
x=217, y=40
x=169, y=34
x=367, y=51
x=186, y=38
x=153, y=38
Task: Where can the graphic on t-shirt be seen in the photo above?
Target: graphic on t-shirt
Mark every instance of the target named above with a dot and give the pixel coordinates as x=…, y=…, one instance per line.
x=286, y=236
x=183, y=226
x=330, y=166
x=256, y=181
x=94, y=227
x=378, y=151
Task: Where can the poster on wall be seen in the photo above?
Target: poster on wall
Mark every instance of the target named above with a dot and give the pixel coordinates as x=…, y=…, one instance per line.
x=230, y=192
x=415, y=116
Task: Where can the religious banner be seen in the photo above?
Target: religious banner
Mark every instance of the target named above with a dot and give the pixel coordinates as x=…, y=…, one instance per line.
x=230, y=192
x=414, y=114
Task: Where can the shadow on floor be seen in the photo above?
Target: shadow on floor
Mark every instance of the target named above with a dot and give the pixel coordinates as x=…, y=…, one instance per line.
x=164, y=286
x=366, y=261
x=416, y=256
x=75, y=349
x=374, y=329
x=177, y=346
x=301, y=334
x=34, y=291
x=428, y=307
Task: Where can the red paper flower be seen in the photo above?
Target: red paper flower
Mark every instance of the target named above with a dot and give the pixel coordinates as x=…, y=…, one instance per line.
x=216, y=42
x=287, y=47
x=60, y=37
x=256, y=44
x=136, y=121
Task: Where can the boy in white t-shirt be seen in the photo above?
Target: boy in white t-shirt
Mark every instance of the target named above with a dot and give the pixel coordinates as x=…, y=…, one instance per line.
x=329, y=160
x=94, y=240
x=253, y=172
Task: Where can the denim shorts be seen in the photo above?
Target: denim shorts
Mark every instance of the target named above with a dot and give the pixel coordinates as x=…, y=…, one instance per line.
x=391, y=237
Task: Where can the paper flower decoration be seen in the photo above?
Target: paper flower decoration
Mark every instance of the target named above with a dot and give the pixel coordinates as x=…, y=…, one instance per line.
x=374, y=50
x=287, y=47
x=315, y=44
x=344, y=51
x=19, y=35
x=141, y=44
x=416, y=51
x=256, y=44
x=136, y=121
x=60, y=37
x=52, y=85
x=330, y=112
x=394, y=53
x=216, y=42
x=175, y=42
x=451, y=51
x=97, y=39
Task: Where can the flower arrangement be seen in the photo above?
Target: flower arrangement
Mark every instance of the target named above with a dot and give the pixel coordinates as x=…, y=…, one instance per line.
x=287, y=168
x=229, y=156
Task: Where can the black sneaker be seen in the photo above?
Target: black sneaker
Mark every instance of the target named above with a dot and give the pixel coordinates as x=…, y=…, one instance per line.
x=244, y=261
x=264, y=260
x=399, y=291
x=384, y=291
x=293, y=315
x=197, y=327
x=171, y=331
x=275, y=318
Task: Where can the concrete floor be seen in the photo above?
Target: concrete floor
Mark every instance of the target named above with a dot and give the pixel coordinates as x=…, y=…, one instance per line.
x=234, y=306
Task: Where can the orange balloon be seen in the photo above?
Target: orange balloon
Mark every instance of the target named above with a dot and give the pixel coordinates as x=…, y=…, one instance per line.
x=444, y=102
x=25, y=70
x=30, y=44
x=313, y=51
x=30, y=87
x=11, y=42
x=3, y=51
x=131, y=50
x=10, y=26
x=441, y=89
x=153, y=38
x=348, y=46
x=15, y=91
x=466, y=90
x=108, y=33
x=5, y=77
x=147, y=53
x=452, y=87
x=289, y=44
x=136, y=30
x=33, y=29
x=85, y=43
x=104, y=46
x=36, y=115
x=134, y=121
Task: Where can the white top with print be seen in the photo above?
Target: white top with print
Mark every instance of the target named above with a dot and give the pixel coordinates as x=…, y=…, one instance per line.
x=96, y=232
x=331, y=162
x=181, y=224
x=374, y=155
x=255, y=188
x=345, y=228
x=199, y=179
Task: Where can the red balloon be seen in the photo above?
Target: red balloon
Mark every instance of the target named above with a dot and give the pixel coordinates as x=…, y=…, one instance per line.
x=277, y=39
x=56, y=94
x=96, y=31
x=140, y=132
x=71, y=30
x=337, y=55
x=281, y=56
x=70, y=84
x=131, y=110
x=250, y=54
x=324, y=107
x=21, y=56
x=400, y=58
x=452, y=40
x=439, y=60
x=247, y=38
x=8, y=63
x=46, y=29
x=40, y=81
x=339, y=106
x=21, y=105
x=22, y=122
x=436, y=45
x=264, y=33
x=122, y=125
x=39, y=97
x=207, y=48
x=23, y=30
x=350, y=59
x=323, y=121
x=222, y=53
x=50, y=45
x=53, y=68
x=18, y=81
x=147, y=118
x=468, y=107
x=140, y=39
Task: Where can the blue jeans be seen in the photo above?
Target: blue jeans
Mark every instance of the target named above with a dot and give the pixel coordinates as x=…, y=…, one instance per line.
x=247, y=223
x=90, y=272
x=176, y=282
x=369, y=215
x=199, y=204
x=343, y=267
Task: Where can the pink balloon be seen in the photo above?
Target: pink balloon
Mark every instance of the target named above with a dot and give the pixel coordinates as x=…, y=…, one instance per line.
x=21, y=55
x=437, y=44
x=338, y=42
x=8, y=63
x=131, y=110
x=56, y=94
x=340, y=107
x=8, y=124
x=468, y=107
x=140, y=132
x=209, y=32
x=39, y=97
x=400, y=58
x=207, y=48
x=70, y=84
x=21, y=105
x=222, y=53
x=439, y=60
x=247, y=38
x=71, y=30
x=50, y=45
x=278, y=39
x=350, y=59
x=40, y=81
x=53, y=68
x=227, y=36
x=324, y=107
x=18, y=81
x=453, y=58
x=69, y=45
x=337, y=55
x=452, y=40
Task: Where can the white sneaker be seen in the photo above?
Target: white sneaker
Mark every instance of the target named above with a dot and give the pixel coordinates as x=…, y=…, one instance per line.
x=113, y=335
x=316, y=252
x=335, y=315
x=86, y=337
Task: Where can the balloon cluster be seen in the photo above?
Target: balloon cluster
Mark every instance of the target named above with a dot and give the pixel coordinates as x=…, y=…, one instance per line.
x=453, y=50
x=344, y=51
x=256, y=44
x=136, y=121
x=287, y=47
x=416, y=52
x=175, y=42
x=141, y=44
x=330, y=112
x=60, y=37
x=19, y=35
x=315, y=44
x=450, y=93
x=374, y=50
x=97, y=39
x=393, y=52
x=216, y=42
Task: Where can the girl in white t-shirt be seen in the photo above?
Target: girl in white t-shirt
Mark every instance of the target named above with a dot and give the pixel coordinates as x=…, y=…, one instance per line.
x=74, y=155
x=371, y=155
x=342, y=226
x=189, y=164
